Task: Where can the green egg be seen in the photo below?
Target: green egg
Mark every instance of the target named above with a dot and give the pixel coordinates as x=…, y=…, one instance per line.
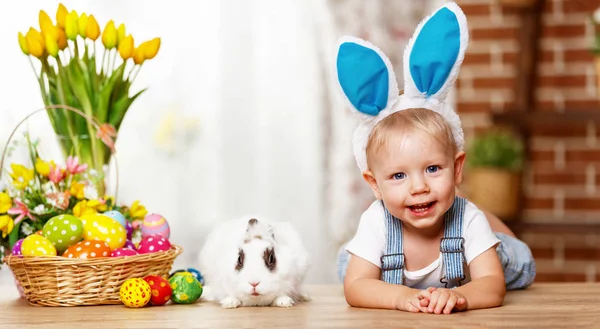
x=186, y=289
x=63, y=231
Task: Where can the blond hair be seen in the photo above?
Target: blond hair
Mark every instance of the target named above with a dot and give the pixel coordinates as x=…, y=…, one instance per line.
x=408, y=121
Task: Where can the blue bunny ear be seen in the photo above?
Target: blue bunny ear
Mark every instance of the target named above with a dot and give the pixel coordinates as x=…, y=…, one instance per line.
x=365, y=76
x=434, y=54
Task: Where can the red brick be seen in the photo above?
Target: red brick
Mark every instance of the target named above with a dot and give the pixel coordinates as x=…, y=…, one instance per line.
x=573, y=6
x=562, y=81
x=565, y=178
x=499, y=33
x=575, y=130
x=563, y=31
x=582, y=253
x=463, y=107
x=569, y=55
x=570, y=155
x=569, y=203
x=570, y=105
x=493, y=83
x=542, y=253
x=475, y=9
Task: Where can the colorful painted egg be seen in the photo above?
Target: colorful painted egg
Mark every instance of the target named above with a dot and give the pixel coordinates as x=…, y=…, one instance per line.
x=37, y=245
x=88, y=249
x=193, y=272
x=153, y=243
x=186, y=289
x=16, y=249
x=63, y=231
x=155, y=224
x=101, y=227
x=135, y=293
x=130, y=245
x=160, y=289
x=123, y=252
x=116, y=216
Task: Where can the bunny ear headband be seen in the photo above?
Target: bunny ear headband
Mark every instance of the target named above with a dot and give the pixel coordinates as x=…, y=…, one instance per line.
x=432, y=59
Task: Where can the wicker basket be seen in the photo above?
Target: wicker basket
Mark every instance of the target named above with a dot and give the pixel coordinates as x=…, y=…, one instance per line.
x=60, y=281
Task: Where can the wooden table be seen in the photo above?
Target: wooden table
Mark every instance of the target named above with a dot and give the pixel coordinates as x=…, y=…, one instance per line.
x=544, y=305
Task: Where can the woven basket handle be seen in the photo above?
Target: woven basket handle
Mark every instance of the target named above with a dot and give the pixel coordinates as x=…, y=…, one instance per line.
x=90, y=120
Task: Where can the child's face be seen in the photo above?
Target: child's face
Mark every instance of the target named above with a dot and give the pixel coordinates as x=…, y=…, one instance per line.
x=416, y=178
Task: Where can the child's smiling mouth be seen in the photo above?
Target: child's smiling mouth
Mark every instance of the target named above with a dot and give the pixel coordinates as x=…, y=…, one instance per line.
x=422, y=209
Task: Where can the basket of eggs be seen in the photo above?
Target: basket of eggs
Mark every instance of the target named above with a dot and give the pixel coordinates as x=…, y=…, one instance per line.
x=65, y=245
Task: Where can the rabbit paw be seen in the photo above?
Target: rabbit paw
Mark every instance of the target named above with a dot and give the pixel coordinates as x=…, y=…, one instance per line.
x=230, y=302
x=283, y=301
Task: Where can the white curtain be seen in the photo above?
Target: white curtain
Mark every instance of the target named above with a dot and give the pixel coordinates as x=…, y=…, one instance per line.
x=230, y=124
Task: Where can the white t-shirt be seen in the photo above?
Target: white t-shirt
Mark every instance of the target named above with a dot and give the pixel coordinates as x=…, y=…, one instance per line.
x=369, y=243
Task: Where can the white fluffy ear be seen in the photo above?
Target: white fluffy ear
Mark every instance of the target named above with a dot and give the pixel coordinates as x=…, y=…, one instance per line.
x=435, y=52
x=365, y=77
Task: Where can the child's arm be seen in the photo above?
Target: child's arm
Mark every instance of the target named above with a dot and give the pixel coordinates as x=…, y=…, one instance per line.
x=363, y=288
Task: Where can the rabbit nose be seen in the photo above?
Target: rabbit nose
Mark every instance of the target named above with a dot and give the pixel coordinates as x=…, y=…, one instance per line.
x=254, y=284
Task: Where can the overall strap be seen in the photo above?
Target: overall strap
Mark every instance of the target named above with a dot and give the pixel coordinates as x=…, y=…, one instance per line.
x=452, y=244
x=392, y=262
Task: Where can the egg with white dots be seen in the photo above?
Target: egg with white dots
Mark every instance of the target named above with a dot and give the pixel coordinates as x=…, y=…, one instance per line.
x=104, y=228
x=37, y=245
x=63, y=231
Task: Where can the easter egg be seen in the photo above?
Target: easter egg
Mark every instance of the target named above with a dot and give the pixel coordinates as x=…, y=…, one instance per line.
x=160, y=289
x=88, y=249
x=153, y=243
x=37, y=245
x=193, y=272
x=123, y=252
x=129, y=229
x=101, y=227
x=130, y=245
x=186, y=289
x=63, y=231
x=155, y=224
x=16, y=249
x=116, y=216
x=135, y=293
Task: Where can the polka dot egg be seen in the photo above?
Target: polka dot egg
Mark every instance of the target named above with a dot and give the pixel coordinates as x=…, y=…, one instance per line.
x=116, y=216
x=153, y=243
x=186, y=289
x=37, y=245
x=155, y=224
x=119, y=252
x=135, y=293
x=101, y=227
x=63, y=231
x=161, y=290
x=88, y=249
x=16, y=249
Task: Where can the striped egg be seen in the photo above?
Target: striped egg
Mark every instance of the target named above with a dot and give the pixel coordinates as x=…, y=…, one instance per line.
x=155, y=224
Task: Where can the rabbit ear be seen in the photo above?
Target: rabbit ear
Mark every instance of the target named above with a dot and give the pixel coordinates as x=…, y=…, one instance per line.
x=365, y=76
x=435, y=52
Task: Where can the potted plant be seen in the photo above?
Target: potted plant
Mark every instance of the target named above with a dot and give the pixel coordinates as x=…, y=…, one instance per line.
x=494, y=163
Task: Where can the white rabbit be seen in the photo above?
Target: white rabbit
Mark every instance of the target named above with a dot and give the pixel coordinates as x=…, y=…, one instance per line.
x=250, y=262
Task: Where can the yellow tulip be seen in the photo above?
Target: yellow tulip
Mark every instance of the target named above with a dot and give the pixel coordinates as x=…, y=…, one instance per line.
x=138, y=54
x=43, y=167
x=51, y=45
x=35, y=43
x=81, y=208
x=137, y=210
x=151, y=48
x=83, y=21
x=71, y=25
x=76, y=190
x=21, y=175
x=5, y=202
x=6, y=225
x=96, y=205
x=62, y=39
x=93, y=29
x=23, y=44
x=109, y=36
x=61, y=15
x=126, y=48
x=45, y=21
x=120, y=33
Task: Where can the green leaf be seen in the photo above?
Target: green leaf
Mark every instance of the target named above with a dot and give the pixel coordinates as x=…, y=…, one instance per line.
x=13, y=237
x=105, y=95
x=120, y=109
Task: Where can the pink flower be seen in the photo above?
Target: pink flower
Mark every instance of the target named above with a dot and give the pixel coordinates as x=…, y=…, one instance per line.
x=74, y=167
x=106, y=133
x=21, y=210
x=56, y=174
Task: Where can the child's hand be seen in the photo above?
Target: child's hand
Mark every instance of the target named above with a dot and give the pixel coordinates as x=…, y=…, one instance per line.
x=444, y=301
x=416, y=302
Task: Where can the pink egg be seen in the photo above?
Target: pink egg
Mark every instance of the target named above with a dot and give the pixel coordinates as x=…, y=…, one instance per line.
x=153, y=243
x=155, y=224
x=123, y=252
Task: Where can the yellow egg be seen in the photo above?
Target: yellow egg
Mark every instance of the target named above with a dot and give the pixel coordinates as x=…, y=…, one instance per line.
x=37, y=245
x=102, y=227
x=135, y=293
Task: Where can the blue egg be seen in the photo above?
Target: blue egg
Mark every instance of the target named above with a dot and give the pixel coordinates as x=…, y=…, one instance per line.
x=197, y=275
x=116, y=216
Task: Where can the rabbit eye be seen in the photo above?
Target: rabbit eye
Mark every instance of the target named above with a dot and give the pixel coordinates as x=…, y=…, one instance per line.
x=270, y=260
x=240, y=260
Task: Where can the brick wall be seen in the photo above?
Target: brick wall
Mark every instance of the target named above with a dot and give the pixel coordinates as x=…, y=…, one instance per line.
x=563, y=177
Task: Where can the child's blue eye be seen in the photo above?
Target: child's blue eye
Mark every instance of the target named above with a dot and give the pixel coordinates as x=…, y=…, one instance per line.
x=399, y=176
x=432, y=169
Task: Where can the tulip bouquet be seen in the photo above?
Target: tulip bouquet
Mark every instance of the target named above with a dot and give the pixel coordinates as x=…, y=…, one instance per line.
x=73, y=69
x=43, y=189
